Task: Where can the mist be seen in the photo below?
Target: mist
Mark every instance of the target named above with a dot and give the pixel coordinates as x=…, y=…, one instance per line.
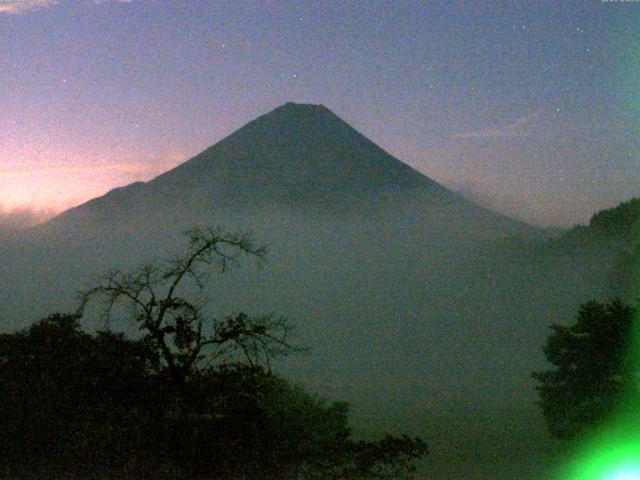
x=16, y=218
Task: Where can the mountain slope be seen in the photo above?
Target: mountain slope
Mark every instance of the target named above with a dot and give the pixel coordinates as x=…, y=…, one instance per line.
x=295, y=156
x=302, y=149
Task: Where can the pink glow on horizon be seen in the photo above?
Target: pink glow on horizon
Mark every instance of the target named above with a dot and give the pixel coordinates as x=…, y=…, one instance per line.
x=59, y=179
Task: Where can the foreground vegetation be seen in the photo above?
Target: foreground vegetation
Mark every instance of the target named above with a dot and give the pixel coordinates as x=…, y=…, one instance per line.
x=192, y=397
x=594, y=360
x=594, y=369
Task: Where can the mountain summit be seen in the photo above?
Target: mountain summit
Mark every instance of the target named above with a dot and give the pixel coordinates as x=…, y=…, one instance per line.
x=300, y=156
x=297, y=150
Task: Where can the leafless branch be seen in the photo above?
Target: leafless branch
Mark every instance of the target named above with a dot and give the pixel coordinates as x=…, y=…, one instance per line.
x=175, y=324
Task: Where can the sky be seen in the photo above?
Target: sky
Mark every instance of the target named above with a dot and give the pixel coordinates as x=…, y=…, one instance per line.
x=531, y=108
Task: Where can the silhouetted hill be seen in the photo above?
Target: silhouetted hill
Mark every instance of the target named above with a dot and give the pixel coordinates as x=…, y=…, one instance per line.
x=617, y=223
x=298, y=153
x=617, y=229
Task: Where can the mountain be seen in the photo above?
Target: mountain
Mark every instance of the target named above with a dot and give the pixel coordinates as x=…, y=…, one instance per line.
x=296, y=156
x=408, y=296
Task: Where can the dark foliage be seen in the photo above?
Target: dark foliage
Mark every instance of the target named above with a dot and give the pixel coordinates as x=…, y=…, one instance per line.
x=592, y=368
x=614, y=229
x=79, y=403
x=60, y=387
x=194, y=397
x=618, y=221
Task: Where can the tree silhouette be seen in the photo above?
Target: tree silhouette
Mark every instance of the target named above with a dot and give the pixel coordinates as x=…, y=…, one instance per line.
x=193, y=397
x=61, y=386
x=592, y=368
x=175, y=325
x=618, y=221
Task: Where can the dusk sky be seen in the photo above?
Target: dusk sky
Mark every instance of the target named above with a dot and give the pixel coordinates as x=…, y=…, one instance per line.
x=530, y=107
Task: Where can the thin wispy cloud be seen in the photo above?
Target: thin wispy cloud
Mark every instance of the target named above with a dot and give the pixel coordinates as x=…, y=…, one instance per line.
x=522, y=127
x=20, y=7
x=131, y=168
x=12, y=219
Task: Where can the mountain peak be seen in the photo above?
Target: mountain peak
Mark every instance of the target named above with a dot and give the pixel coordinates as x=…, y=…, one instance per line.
x=302, y=151
x=295, y=155
x=302, y=106
x=300, y=112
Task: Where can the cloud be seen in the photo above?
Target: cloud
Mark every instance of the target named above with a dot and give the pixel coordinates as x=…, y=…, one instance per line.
x=131, y=168
x=61, y=185
x=19, y=7
x=12, y=219
x=522, y=127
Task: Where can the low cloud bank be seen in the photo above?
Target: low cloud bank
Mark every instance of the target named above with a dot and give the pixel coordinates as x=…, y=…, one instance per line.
x=12, y=219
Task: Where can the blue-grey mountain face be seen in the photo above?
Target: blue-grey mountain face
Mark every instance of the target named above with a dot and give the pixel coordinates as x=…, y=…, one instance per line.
x=408, y=309
x=297, y=153
x=295, y=156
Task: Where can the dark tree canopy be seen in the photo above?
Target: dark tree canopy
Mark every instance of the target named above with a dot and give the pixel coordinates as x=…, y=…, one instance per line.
x=619, y=221
x=592, y=368
x=60, y=386
x=193, y=397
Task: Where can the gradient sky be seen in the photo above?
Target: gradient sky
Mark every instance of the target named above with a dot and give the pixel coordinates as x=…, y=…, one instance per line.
x=531, y=107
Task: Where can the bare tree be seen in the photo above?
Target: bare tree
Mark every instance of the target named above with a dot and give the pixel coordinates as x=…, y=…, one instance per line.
x=176, y=327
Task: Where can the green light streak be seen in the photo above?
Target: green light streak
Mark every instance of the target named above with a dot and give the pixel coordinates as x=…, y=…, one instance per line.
x=613, y=451
x=613, y=455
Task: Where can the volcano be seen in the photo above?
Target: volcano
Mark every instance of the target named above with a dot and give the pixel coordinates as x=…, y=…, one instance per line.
x=409, y=308
x=299, y=156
